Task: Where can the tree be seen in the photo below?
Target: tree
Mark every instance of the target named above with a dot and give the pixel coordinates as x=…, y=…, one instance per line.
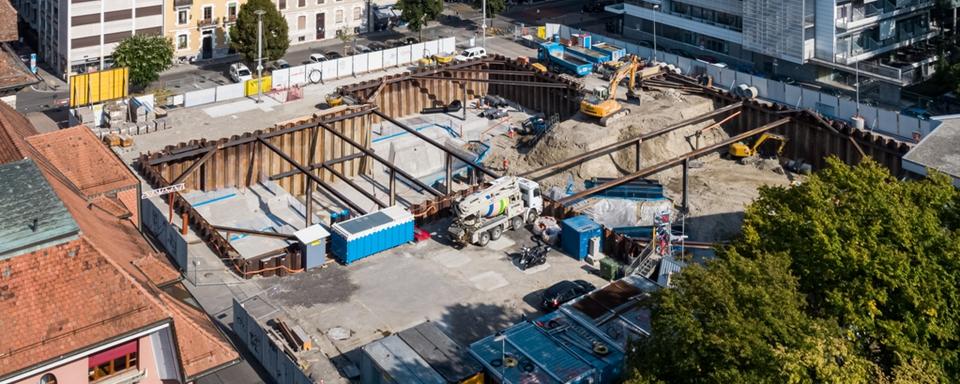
x=850, y=277
x=243, y=35
x=738, y=320
x=876, y=255
x=417, y=13
x=494, y=7
x=345, y=37
x=145, y=56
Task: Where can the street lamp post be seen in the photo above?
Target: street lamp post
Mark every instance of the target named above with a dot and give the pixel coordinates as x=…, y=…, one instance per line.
x=655, y=8
x=483, y=25
x=259, y=14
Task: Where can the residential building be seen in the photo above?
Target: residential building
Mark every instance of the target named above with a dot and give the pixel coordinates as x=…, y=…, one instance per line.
x=828, y=41
x=200, y=28
x=313, y=20
x=85, y=297
x=78, y=36
x=14, y=75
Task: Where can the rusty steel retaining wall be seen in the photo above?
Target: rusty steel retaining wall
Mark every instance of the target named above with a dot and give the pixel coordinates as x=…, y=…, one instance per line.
x=242, y=165
x=404, y=94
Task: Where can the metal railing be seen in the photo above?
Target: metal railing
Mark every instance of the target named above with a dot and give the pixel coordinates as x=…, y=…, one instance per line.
x=207, y=23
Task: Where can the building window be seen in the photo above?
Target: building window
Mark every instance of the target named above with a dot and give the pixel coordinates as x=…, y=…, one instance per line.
x=182, y=41
x=282, y=4
x=302, y=3
x=356, y=13
x=183, y=16
x=339, y=17
x=112, y=361
x=301, y=23
x=48, y=379
x=321, y=2
x=208, y=12
x=232, y=11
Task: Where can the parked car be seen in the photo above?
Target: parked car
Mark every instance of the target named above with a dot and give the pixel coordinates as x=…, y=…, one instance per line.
x=360, y=48
x=410, y=40
x=317, y=58
x=281, y=64
x=333, y=55
x=471, y=53
x=916, y=111
x=239, y=73
x=377, y=46
x=562, y=292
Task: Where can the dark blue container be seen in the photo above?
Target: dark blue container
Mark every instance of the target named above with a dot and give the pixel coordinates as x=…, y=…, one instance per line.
x=372, y=233
x=575, y=235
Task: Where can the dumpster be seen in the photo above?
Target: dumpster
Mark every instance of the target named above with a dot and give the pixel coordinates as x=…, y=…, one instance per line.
x=372, y=233
x=575, y=235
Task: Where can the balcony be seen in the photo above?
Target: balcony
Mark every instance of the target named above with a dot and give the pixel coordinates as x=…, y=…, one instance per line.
x=229, y=20
x=208, y=23
x=182, y=3
x=875, y=11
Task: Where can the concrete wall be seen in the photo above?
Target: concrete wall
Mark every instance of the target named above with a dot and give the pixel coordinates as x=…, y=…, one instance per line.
x=265, y=349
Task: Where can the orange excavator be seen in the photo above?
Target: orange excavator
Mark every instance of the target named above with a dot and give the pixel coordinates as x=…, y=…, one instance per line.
x=602, y=102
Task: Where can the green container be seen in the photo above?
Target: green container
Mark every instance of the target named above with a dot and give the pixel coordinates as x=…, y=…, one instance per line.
x=610, y=269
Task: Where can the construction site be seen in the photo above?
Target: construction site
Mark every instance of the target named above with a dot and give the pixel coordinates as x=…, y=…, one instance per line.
x=426, y=195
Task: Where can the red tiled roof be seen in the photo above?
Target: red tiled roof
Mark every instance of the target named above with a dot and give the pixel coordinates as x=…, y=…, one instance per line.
x=14, y=74
x=66, y=298
x=120, y=241
x=8, y=21
x=83, y=159
x=14, y=127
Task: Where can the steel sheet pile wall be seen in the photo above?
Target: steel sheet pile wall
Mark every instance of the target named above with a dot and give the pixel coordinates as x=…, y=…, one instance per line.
x=241, y=161
x=407, y=93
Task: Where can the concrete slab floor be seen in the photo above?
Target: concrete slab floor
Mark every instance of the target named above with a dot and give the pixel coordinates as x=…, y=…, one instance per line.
x=471, y=292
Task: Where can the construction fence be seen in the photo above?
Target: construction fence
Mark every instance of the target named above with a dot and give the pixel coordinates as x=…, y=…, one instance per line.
x=876, y=119
x=315, y=73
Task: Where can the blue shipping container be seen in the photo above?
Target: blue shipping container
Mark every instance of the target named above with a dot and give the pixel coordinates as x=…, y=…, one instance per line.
x=575, y=235
x=372, y=233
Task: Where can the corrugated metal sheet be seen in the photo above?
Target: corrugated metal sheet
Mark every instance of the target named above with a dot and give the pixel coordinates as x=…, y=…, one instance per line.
x=390, y=360
x=444, y=355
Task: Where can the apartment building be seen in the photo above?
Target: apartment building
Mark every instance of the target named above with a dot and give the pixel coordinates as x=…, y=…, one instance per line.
x=200, y=28
x=74, y=36
x=829, y=41
x=313, y=20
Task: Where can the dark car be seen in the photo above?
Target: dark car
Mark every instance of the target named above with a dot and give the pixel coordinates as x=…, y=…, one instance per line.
x=411, y=40
x=377, y=46
x=562, y=292
x=333, y=55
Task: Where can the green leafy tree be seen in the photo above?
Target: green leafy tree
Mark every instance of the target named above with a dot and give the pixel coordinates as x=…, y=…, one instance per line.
x=879, y=256
x=243, y=35
x=417, y=13
x=345, y=36
x=494, y=7
x=145, y=56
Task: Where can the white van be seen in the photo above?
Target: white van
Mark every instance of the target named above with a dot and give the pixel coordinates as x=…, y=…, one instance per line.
x=471, y=53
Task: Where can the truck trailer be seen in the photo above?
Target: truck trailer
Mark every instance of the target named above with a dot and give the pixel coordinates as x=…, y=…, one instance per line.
x=507, y=203
x=554, y=56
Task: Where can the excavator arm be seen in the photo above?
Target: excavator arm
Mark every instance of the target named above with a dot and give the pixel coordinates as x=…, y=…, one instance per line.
x=630, y=69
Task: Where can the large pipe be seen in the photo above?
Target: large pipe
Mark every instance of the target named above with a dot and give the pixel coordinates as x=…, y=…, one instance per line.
x=675, y=161
x=309, y=174
x=382, y=160
x=434, y=143
x=626, y=143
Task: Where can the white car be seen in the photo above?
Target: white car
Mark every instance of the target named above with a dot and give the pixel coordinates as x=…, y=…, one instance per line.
x=471, y=53
x=317, y=58
x=239, y=73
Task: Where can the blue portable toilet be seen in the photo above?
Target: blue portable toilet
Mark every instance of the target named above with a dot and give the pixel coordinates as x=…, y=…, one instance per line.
x=313, y=240
x=575, y=235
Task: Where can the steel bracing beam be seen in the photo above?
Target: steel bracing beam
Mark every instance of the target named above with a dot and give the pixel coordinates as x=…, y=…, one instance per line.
x=316, y=166
x=592, y=154
x=254, y=232
x=310, y=175
x=194, y=166
x=675, y=161
x=436, y=144
x=393, y=168
x=188, y=152
x=520, y=83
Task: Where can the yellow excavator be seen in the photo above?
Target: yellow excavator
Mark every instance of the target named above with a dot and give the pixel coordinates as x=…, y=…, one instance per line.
x=602, y=102
x=740, y=150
